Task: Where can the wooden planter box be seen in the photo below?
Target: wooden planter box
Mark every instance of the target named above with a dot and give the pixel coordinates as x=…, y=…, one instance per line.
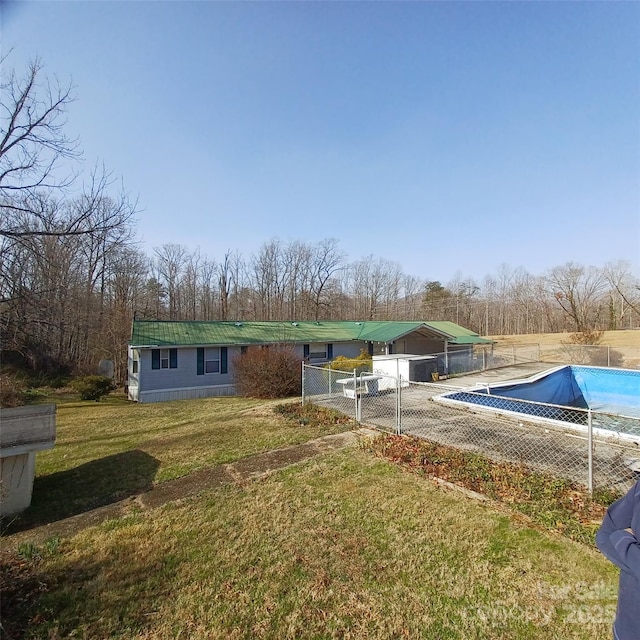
x=23, y=432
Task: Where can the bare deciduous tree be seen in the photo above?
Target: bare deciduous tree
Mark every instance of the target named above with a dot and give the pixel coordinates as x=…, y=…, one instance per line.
x=625, y=294
x=170, y=262
x=578, y=291
x=33, y=140
x=37, y=162
x=326, y=261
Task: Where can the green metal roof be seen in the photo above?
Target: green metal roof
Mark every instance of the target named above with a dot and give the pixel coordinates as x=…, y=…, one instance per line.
x=387, y=331
x=152, y=333
x=458, y=334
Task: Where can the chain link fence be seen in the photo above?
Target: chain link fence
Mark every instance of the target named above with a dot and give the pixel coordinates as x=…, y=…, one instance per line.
x=598, y=450
x=484, y=357
x=599, y=355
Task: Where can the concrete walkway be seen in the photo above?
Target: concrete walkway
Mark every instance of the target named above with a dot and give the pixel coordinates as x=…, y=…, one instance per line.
x=241, y=471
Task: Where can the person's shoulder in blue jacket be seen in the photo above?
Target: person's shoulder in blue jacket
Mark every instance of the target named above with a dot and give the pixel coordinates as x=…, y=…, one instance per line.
x=617, y=539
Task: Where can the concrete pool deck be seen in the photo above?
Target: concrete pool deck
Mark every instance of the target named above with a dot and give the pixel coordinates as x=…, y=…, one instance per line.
x=503, y=374
x=552, y=447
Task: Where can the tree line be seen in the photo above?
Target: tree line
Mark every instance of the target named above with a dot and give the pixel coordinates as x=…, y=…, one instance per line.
x=73, y=276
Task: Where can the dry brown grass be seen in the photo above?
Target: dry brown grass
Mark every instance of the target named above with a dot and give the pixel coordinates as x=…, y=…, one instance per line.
x=624, y=347
x=628, y=338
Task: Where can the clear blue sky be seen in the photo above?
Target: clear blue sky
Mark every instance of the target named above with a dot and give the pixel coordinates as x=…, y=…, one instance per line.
x=445, y=136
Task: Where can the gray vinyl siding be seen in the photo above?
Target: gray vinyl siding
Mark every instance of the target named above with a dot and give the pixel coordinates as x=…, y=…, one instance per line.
x=183, y=382
x=186, y=393
x=185, y=374
x=346, y=349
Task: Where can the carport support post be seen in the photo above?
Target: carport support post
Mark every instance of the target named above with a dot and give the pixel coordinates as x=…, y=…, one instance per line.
x=590, y=455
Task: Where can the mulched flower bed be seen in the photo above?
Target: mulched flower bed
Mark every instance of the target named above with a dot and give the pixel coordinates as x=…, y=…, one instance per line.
x=555, y=503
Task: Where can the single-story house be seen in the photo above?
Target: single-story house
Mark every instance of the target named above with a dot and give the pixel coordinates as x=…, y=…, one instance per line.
x=170, y=360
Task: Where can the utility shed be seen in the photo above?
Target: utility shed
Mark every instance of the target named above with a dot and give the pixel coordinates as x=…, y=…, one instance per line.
x=407, y=367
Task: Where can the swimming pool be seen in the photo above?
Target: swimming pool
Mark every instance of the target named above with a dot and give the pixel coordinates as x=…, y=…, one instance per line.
x=564, y=394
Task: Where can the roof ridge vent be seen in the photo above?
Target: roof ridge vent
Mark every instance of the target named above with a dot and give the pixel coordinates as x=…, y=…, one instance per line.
x=294, y=324
x=238, y=324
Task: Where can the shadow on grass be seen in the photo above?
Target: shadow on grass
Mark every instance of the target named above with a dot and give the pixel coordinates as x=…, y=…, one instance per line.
x=44, y=580
x=90, y=485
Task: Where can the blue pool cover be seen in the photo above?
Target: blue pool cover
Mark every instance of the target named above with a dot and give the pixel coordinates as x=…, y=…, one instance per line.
x=612, y=391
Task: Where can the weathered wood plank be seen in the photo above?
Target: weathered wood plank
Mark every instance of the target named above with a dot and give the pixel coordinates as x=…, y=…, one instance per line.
x=27, y=425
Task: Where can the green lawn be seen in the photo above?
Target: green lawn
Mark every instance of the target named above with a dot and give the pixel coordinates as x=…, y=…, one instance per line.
x=346, y=545
x=181, y=436
x=111, y=449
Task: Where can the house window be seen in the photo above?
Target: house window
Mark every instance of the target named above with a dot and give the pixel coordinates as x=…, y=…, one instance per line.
x=164, y=358
x=134, y=366
x=212, y=360
x=317, y=351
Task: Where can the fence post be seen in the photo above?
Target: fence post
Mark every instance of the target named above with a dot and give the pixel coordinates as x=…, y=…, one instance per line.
x=590, y=456
x=398, y=406
x=608, y=356
x=303, y=383
x=355, y=395
x=330, y=380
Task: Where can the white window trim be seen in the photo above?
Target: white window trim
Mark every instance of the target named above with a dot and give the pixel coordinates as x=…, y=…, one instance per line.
x=217, y=360
x=315, y=352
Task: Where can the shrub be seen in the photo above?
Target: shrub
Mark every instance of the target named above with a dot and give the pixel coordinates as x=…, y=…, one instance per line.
x=588, y=337
x=272, y=372
x=93, y=387
x=312, y=415
x=12, y=391
x=59, y=381
x=361, y=364
x=32, y=396
x=585, y=348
